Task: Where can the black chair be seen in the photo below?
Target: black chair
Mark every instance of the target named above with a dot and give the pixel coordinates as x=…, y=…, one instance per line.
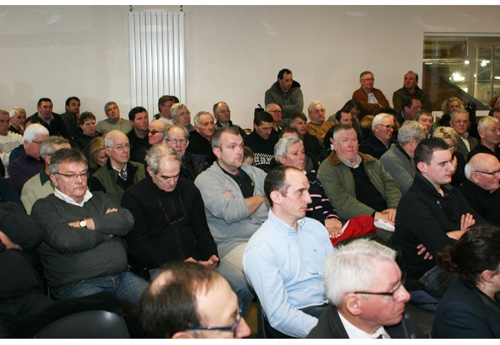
x=87, y=324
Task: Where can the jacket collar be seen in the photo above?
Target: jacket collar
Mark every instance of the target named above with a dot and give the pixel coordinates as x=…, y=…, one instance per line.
x=334, y=159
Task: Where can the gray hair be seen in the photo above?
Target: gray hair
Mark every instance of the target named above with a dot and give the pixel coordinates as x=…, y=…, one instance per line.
x=485, y=121
x=377, y=120
x=177, y=125
x=48, y=146
x=269, y=106
x=338, y=128
x=4, y=112
x=421, y=112
x=411, y=129
x=156, y=153
x=282, y=146
x=175, y=107
x=459, y=111
x=196, y=119
x=111, y=136
x=66, y=155
x=33, y=131
x=18, y=109
x=313, y=103
x=352, y=268
x=108, y=104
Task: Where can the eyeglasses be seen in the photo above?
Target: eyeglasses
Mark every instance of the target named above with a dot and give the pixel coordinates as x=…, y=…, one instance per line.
x=275, y=111
x=153, y=132
x=368, y=79
x=388, y=127
x=346, y=140
x=390, y=294
x=120, y=147
x=492, y=173
x=37, y=142
x=73, y=177
x=232, y=328
x=177, y=141
x=461, y=121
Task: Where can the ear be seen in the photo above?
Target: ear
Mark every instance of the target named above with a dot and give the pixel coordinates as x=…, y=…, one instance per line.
x=216, y=151
x=353, y=304
x=150, y=172
x=281, y=160
x=182, y=335
x=487, y=276
x=421, y=166
x=275, y=197
x=53, y=179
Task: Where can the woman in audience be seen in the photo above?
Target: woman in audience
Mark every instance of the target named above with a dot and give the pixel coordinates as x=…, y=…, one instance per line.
x=451, y=137
x=470, y=308
x=97, y=156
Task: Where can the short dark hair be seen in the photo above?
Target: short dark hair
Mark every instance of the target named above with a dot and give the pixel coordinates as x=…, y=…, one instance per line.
x=362, y=74
x=419, y=113
x=283, y=72
x=215, y=142
x=164, y=99
x=85, y=116
x=476, y=251
x=169, y=305
x=426, y=148
x=66, y=155
x=408, y=102
x=493, y=111
x=296, y=114
x=411, y=72
x=353, y=103
x=288, y=130
x=276, y=180
x=72, y=98
x=262, y=116
x=45, y=99
x=135, y=111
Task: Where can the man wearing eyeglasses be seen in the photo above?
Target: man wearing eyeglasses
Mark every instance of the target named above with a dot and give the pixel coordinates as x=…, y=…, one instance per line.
x=380, y=139
x=371, y=306
x=370, y=98
x=83, y=252
x=181, y=115
x=283, y=259
x=356, y=183
x=188, y=300
x=460, y=123
x=431, y=213
x=170, y=223
x=481, y=187
x=223, y=115
x=489, y=132
x=119, y=172
x=155, y=133
x=275, y=111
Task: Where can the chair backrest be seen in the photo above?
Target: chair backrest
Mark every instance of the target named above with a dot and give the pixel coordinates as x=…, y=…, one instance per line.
x=87, y=324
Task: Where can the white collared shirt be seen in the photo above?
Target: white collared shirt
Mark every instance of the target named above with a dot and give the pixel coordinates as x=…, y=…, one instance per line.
x=70, y=200
x=355, y=333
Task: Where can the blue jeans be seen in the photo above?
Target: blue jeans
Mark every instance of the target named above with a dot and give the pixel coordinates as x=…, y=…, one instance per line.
x=236, y=280
x=436, y=281
x=125, y=285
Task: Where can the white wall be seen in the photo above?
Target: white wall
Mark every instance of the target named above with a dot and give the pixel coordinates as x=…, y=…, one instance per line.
x=233, y=52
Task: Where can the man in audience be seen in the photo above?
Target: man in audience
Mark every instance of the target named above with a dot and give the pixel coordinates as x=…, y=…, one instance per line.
x=260, y=141
x=180, y=114
x=52, y=121
x=489, y=132
x=481, y=187
x=199, y=141
x=185, y=236
x=275, y=111
x=380, y=138
x=20, y=294
x=371, y=306
x=448, y=107
x=188, y=300
x=286, y=93
x=356, y=183
x=71, y=116
x=460, y=123
x=87, y=122
x=40, y=186
x=82, y=250
x=233, y=194
x=138, y=135
x=410, y=89
x=344, y=117
x=370, y=98
x=283, y=260
x=424, y=117
x=223, y=116
x=17, y=118
x=119, y=173
x=398, y=160
x=156, y=130
x=113, y=121
x=410, y=108
x=30, y=163
x=8, y=139
x=317, y=125
x=313, y=148
x=164, y=105
x=431, y=213
x=191, y=164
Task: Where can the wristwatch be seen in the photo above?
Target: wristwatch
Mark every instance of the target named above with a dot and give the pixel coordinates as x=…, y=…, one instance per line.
x=83, y=223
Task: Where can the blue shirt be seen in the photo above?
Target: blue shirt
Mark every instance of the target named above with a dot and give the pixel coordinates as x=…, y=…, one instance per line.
x=285, y=267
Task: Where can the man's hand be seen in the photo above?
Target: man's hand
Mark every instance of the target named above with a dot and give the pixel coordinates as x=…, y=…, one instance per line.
x=8, y=243
x=334, y=227
x=109, y=210
x=226, y=192
x=211, y=262
x=383, y=216
x=421, y=250
x=391, y=215
x=467, y=221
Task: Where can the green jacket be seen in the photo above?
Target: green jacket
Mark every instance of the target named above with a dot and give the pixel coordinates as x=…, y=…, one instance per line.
x=338, y=182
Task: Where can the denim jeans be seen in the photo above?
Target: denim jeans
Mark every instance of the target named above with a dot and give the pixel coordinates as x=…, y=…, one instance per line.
x=125, y=285
x=436, y=281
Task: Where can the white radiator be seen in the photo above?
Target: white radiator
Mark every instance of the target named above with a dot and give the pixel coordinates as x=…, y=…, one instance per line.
x=157, y=62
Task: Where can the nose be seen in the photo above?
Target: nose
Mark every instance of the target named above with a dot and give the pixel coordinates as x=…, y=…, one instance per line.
x=307, y=197
x=243, y=330
x=403, y=295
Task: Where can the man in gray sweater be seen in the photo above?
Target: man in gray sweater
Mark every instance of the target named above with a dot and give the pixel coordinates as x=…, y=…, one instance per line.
x=82, y=250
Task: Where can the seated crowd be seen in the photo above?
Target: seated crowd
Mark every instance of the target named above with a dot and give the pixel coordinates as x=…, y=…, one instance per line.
x=331, y=225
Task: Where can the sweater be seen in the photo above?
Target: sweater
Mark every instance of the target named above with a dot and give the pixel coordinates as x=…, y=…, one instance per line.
x=400, y=166
x=289, y=101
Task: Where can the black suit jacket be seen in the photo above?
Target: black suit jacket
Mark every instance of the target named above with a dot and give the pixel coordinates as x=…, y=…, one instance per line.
x=56, y=127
